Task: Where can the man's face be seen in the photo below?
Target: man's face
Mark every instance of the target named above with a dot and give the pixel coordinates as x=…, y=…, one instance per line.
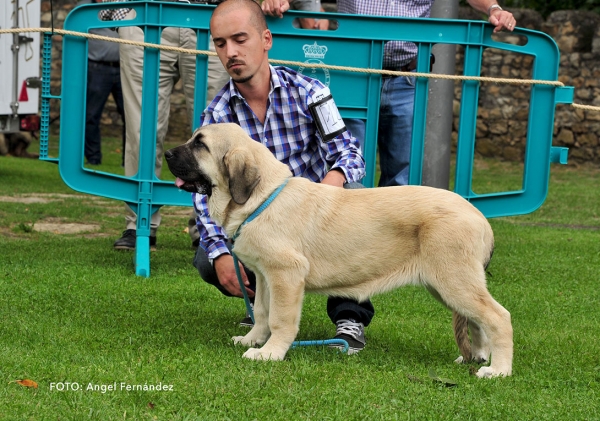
x=239, y=45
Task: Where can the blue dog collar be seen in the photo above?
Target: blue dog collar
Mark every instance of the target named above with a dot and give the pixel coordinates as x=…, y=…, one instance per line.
x=261, y=208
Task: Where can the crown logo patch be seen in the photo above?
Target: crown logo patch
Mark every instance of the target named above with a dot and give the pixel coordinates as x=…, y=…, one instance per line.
x=314, y=51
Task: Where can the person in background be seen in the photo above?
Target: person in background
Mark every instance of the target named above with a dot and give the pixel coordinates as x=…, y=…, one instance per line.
x=103, y=79
x=173, y=67
x=397, y=92
x=313, y=6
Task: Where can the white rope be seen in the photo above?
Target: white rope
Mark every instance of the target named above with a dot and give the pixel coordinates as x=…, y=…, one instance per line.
x=302, y=64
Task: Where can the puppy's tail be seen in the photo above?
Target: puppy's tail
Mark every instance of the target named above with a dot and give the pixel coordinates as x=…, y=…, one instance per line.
x=460, y=324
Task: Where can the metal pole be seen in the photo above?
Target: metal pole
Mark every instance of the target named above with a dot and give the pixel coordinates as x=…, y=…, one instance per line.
x=438, y=139
x=15, y=47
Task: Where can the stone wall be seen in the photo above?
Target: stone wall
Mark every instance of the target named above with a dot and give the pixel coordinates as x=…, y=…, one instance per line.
x=503, y=109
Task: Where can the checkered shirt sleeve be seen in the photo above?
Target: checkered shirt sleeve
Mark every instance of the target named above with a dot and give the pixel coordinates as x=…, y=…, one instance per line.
x=113, y=14
x=289, y=132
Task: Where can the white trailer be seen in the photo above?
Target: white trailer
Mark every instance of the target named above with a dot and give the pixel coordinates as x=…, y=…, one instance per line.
x=19, y=66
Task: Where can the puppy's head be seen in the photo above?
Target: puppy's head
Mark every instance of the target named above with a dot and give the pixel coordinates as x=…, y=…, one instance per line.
x=217, y=157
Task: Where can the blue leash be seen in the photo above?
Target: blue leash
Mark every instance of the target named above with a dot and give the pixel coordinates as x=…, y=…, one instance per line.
x=252, y=216
x=249, y=310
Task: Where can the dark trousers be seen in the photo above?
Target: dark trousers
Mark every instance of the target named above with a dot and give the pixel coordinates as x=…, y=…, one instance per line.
x=337, y=308
x=102, y=80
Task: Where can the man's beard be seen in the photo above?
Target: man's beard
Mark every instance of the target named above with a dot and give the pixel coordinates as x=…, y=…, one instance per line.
x=238, y=71
x=242, y=79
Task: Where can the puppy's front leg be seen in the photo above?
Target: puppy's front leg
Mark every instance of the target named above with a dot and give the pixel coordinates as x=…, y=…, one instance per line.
x=260, y=332
x=285, y=308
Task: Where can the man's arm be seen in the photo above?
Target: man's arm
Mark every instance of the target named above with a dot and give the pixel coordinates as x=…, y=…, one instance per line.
x=501, y=19
x=348, y=163
x=340, y=149
x=335, y=177
x=213, y=242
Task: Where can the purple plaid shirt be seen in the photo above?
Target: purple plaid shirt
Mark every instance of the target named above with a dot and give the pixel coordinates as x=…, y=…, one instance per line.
x=289, y=132
x=396, y=53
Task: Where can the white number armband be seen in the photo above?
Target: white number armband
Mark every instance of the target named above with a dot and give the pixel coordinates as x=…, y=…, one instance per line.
x=326, y=115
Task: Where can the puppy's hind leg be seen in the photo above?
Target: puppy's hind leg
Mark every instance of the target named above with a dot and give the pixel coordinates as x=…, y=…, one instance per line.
x=464, y=290
x=495, y=322
x=480, y=350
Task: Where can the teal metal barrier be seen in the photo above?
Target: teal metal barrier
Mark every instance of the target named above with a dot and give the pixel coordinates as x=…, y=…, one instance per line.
x=46, y=97
x=356, y=94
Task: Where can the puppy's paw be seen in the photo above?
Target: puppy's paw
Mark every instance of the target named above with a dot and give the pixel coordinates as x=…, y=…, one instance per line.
x=475, y=359
x=243, y=340
x=259, y=354
x=489, y=372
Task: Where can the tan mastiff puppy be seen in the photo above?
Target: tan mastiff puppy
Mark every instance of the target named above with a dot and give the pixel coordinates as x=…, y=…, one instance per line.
x=307, y=240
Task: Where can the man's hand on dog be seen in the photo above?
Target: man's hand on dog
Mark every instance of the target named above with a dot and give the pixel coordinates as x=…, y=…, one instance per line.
x=334, y=178
x=225, y=269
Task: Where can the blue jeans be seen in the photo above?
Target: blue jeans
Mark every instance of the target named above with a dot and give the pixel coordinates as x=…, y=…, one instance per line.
x=394, y=130
x=102, y=80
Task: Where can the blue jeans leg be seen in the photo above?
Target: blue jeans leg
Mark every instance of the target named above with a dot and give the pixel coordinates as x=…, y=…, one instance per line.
x=395, y=129
x=117, y=93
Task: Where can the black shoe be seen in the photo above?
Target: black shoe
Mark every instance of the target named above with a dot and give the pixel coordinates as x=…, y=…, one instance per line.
x=247, y=321
x=127, y=241
x=353, y=333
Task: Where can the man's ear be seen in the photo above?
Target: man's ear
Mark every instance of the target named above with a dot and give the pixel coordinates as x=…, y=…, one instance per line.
x=243, y=174
x=267, y=39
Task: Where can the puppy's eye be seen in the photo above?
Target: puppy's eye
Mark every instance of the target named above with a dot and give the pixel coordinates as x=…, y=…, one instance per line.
x=198, y=143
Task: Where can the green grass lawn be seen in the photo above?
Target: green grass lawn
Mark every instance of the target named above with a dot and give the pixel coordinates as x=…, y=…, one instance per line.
x=73, y=311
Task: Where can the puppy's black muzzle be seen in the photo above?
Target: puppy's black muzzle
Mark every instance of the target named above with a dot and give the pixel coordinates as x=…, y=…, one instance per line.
x=190, y=178
x=178, y=165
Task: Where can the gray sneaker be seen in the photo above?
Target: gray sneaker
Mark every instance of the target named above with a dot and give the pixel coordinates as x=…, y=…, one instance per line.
x=352, y=332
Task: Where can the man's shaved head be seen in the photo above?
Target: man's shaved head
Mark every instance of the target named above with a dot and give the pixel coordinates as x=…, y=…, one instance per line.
x=257, y=17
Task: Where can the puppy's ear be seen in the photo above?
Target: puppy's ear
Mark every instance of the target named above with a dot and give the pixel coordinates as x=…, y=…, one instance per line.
x=243, y=174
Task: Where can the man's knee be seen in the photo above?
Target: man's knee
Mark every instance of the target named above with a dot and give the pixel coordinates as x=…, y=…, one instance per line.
x=201, y=262
x=353, y=185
